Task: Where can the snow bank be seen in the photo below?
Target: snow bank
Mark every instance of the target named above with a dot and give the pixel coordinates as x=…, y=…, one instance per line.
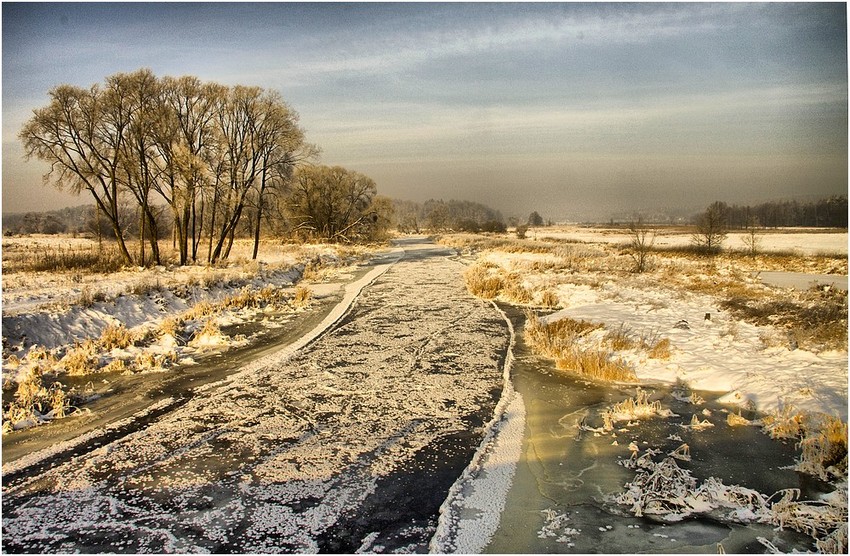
x=470, y=515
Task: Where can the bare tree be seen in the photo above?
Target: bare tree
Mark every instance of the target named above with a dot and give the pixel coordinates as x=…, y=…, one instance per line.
x=641, y=241
x=752, y=236
x=185, y=139
x=83, y=149
x=134, y=97
x=711, y=228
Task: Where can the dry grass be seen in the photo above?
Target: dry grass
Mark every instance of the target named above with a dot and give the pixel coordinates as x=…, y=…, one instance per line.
x=115, y=336
x=621, y=339
x=823, y=448
x=172, y=326
x=302, y=296
x=81, y=259
x=146, y=361
x=34, y=400
x=90, y=296
x=202, y=309
x=82, y=359
x=483, y=280
x=595, y=364
x=657, y=348
x=822, y=440
x=549, y=299
x=514, y=291
x=559, y=340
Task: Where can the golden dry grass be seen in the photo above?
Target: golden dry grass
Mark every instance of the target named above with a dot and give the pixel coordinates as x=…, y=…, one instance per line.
x=302, y=296
x=82, y=359
x=482, y=281
x=115, y=336
x=559, y=341
x=549, y=299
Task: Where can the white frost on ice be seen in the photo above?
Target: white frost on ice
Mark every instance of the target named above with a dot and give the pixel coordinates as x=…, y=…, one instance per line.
x=470, y=515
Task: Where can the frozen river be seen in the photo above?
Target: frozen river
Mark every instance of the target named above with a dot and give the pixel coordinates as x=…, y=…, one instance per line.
x=350, y=443
x=562, y=496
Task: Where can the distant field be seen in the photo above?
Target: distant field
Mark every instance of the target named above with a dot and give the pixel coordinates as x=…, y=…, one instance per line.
x=806, y=241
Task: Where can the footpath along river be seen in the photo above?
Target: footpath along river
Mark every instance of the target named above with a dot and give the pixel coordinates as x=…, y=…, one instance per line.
x=561, y=496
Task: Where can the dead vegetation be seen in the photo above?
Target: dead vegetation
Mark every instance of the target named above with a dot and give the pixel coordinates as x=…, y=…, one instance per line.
x=36, y=400
x=560, y=340
x=88, y=259
x=814, y=319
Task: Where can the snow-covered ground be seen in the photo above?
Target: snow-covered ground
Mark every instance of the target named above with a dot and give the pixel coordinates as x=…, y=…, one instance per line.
x=750, y=363
x=802, y=241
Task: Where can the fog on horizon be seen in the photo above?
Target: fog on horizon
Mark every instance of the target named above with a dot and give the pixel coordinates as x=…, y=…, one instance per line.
x=578, y=111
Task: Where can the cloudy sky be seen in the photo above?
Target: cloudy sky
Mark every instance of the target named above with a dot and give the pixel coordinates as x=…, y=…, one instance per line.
x=577, y=111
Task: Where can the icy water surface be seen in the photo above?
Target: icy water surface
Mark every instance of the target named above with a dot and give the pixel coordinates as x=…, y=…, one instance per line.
x=348, y=444
x=561, y=498
x=803, y=281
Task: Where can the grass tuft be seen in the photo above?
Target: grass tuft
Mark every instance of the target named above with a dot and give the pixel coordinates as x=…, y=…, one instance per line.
x=559, y=340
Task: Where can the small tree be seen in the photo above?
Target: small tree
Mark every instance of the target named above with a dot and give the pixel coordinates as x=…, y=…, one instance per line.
x=641, y=241
x=535, y=220
x=521, y=232
x=752, y=236
x=711, y=228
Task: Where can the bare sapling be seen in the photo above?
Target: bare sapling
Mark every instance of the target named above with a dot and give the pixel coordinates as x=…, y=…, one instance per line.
x=641, y=241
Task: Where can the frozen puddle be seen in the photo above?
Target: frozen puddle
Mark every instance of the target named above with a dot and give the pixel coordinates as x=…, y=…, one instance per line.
x=803, y=281
x=349, y=444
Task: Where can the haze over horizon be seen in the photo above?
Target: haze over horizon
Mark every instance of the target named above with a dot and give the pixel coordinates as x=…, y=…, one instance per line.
x=578, y=111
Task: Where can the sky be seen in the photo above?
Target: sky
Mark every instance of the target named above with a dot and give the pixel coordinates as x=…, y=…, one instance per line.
x=579, y=111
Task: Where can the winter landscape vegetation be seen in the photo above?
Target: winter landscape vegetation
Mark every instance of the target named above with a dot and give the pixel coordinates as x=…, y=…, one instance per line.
x=218, y=338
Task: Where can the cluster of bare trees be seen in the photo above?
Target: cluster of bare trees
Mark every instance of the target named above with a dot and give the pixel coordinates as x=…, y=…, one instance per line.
x=208, y=154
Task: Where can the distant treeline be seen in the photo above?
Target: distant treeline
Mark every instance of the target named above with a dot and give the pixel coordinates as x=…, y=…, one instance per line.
x=438, y=216
x=407, y=216
x=830, y=212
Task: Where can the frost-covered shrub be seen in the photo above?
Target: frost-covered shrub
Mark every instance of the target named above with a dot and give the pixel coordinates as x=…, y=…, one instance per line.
x=823, y=448
x=208, y=336
x=34, y=402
